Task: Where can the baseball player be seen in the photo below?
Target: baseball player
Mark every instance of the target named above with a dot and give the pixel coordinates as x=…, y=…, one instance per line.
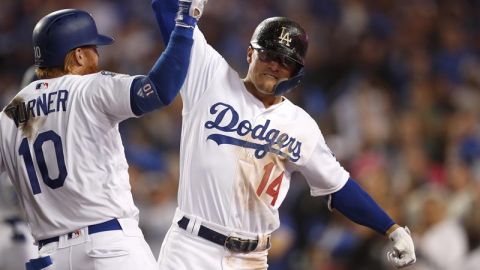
x=16, y=242
x=241, y=142
x=60, y=144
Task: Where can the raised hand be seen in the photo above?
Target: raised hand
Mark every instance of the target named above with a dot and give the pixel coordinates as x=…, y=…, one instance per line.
x=189, y=12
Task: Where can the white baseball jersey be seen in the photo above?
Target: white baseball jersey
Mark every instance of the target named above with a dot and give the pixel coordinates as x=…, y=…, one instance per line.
x=60, y=145
x=237, y=156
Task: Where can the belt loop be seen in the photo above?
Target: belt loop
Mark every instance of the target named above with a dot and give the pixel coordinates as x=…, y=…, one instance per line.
x=62, y=239
x=263, y=242
x=191, y=225
x=196, y=226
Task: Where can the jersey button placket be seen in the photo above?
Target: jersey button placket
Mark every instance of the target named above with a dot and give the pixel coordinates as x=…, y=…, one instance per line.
x=255, y=120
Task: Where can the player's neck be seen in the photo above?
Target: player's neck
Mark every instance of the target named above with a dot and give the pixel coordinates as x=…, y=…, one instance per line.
x=83, y=70
x=267, y=99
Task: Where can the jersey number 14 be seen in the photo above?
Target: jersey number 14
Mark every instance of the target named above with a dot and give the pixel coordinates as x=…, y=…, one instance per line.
x=274, y=188
x=24, y=150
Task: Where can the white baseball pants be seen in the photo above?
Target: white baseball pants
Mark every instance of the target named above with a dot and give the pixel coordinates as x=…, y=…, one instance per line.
x=182, y=250
x=124, y=249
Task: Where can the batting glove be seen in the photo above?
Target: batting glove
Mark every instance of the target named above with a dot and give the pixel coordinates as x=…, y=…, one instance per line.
x=189, y=12
x=403, y=253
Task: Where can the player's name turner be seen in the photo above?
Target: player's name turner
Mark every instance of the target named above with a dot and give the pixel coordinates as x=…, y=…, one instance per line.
x=21, y=111
x=273, y=137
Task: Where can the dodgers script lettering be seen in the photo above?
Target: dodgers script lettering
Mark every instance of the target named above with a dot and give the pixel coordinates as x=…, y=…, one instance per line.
x=228, y=121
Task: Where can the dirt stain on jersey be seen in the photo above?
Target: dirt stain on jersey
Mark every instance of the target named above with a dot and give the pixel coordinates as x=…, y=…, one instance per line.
x=253, y=205
x=27, y=123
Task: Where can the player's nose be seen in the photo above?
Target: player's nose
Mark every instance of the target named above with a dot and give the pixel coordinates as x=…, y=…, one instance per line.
x=274, y=65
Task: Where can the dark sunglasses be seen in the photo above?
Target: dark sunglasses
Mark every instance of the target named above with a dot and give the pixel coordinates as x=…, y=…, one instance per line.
x=285, y=61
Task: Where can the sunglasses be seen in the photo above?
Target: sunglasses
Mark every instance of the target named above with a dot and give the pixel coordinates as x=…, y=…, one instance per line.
x=285, y=61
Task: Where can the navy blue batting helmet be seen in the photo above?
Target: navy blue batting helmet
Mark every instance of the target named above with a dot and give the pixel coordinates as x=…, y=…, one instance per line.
x=61, y=31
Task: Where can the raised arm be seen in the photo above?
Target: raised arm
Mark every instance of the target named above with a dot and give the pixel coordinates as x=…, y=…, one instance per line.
x=167, y=75
x=166, y=11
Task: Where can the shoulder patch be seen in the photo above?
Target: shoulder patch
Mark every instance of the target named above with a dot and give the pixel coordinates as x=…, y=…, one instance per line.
x=108, y=73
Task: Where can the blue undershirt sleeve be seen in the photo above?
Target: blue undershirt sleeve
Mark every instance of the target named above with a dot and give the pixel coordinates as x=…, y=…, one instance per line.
x=166, y=77
x=165, y=13
x=354, y=203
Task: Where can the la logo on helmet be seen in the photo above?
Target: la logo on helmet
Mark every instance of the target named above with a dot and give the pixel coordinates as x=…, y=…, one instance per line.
x=285, y=37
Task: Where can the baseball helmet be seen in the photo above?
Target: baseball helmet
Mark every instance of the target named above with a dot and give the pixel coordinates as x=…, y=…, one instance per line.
x=285, y=37
x=61, y=31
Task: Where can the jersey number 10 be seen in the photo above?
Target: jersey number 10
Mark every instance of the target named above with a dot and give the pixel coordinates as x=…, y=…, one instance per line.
x=24, y=151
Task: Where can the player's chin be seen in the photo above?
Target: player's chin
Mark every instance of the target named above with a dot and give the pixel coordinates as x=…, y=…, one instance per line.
x=266, y=89
x=267, y=86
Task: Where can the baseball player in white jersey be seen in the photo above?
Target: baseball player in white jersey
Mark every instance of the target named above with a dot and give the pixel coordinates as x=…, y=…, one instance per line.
x=60, y=144
x=16, y=241
x=241, y=142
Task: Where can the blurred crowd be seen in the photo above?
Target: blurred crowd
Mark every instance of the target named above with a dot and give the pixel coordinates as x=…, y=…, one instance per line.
x=393, y=84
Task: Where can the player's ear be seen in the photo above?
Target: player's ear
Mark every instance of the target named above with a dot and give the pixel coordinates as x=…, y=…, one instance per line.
x=76, y=60
x=249, y=54
x=71, y=60
x=80, y=56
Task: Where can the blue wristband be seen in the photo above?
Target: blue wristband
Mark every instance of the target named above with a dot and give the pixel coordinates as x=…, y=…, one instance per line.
x=166, y=77
x=183, y=18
